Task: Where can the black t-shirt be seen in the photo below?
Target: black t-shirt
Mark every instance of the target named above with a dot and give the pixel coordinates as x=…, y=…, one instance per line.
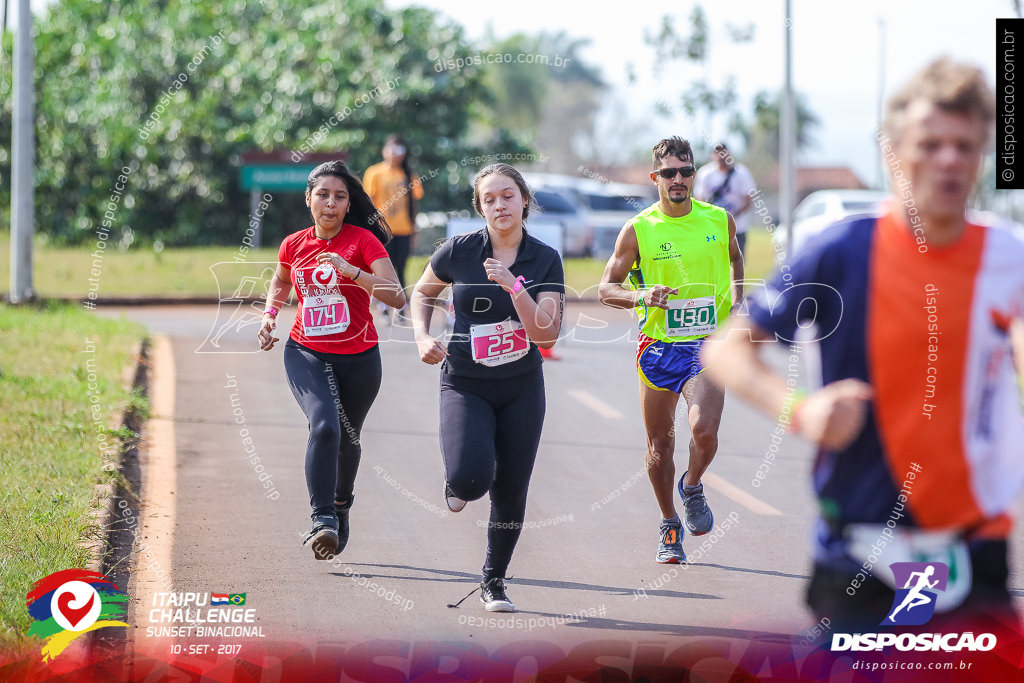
x=478, y=300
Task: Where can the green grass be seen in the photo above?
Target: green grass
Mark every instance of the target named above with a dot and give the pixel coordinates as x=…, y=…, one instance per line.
x=65, y=272
x=50, y=454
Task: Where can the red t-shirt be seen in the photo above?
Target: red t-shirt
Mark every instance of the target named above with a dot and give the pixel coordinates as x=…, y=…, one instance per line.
x=334, y=312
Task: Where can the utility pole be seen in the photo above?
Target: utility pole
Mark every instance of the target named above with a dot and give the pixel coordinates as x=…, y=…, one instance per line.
x=787, y=132
x=22, y=159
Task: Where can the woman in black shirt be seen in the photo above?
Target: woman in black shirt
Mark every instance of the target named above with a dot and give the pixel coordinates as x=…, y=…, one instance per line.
x=509, y=294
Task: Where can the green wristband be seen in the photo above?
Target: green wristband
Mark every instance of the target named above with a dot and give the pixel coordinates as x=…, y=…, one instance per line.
x=793, y=401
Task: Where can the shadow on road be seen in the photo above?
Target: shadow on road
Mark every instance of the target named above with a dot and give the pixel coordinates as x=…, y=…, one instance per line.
x=449, y=576
x=763, y=572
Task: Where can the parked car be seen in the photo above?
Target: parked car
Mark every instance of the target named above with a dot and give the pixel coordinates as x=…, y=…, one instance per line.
x=822, y=208
x=602, y=208
x=609, y=206
x=560, y=203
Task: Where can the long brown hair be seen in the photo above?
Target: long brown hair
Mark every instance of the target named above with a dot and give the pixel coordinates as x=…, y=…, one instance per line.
x=505, y=170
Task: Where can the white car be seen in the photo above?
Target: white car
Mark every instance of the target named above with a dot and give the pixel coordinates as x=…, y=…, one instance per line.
x=609, y=206
x=604, y=207
x=823, y=208
x=559, y=204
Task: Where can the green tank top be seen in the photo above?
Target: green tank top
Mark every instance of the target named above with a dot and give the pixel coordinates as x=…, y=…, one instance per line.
x=691, y=254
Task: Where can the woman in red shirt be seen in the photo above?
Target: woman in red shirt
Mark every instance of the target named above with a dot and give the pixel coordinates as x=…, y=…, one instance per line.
x=331, y=356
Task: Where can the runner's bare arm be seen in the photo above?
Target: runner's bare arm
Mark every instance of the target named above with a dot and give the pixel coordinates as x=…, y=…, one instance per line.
x=424, y=294
x=380, y=281
x=831, y=417
x=611, y=292
x=542, y=318
x=277, y=295
x=735, y=263
x=383, y=283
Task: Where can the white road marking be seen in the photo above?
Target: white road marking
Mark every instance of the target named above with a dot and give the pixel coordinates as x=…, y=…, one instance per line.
x=738, y=495
x=596, y=404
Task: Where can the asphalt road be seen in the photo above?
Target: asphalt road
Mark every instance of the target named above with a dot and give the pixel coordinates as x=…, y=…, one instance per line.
x=584, y=568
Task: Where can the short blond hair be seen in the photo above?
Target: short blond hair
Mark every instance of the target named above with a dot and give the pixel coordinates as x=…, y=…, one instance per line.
x=953, y=87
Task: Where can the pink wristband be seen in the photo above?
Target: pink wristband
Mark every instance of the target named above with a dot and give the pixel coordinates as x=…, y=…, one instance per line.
x=270, y=310
x=519, y=283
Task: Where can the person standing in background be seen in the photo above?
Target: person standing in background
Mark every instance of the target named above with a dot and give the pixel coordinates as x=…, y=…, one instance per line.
x=727, y=183
x=395, y=191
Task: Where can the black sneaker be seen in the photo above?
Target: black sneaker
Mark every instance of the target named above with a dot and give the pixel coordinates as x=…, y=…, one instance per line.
x=454, y=504
x=493, y=597
x=342, y=512
x=323, y=538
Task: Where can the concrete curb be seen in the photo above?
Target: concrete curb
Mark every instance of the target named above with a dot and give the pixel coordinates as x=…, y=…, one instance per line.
x=110, y=550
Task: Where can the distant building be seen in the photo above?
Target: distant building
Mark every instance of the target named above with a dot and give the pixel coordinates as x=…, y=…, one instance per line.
x=812, y=178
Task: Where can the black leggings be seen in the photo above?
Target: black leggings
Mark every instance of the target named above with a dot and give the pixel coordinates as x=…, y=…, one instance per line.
x=335, y=391
x=490, y=432
x=398, y=251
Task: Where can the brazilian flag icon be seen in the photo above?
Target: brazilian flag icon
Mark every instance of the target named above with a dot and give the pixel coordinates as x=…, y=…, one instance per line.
x=237, y=598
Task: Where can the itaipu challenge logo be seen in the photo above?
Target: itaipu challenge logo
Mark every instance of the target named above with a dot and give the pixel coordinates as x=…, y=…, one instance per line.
x=70, y=603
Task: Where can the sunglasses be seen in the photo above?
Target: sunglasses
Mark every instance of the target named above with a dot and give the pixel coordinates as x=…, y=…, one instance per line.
x=670, y=173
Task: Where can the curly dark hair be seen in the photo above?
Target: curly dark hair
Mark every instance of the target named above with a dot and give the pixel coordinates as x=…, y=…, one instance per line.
x=361, y=210
x=674, y=146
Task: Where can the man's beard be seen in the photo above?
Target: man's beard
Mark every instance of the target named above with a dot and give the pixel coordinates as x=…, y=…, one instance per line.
x=686, y=195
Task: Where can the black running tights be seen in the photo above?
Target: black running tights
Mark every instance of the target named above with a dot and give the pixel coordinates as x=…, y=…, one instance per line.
x=335, y=391
x=490, y=432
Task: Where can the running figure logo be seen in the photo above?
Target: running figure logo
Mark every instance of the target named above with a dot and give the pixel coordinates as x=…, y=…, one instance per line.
x=914, y=604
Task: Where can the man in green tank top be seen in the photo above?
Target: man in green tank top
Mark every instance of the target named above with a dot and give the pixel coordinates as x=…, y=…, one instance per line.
x=685, y=273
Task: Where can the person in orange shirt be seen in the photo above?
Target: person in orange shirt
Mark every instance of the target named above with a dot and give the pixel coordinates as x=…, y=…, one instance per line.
x=395, y=190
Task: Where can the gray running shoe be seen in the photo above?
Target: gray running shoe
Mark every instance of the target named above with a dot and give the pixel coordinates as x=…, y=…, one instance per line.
x=696, y=512
x=670, y=547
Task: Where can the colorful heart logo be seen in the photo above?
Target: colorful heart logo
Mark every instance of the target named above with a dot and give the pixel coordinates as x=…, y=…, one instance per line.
x=325, y=275
x=74, y=615
x=76, y=606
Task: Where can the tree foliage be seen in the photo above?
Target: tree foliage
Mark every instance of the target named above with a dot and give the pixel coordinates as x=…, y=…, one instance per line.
x=762, y=135
x=701, y=100
x=174, y=91
x=546, y=95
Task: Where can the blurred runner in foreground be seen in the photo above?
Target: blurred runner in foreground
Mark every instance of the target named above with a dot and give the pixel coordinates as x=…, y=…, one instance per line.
x=918, y=315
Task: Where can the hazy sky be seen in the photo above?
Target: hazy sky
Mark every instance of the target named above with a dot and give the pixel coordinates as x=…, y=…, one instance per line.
x=835, y=52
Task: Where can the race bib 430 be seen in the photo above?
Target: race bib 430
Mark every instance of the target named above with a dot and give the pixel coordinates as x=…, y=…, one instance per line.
x=687, y=317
